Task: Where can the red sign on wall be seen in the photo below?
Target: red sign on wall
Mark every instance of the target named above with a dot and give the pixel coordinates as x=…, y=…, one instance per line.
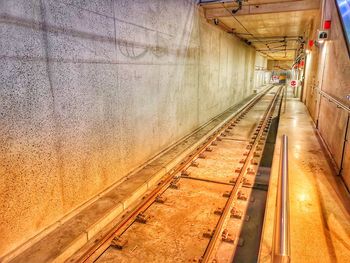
x=293, y=83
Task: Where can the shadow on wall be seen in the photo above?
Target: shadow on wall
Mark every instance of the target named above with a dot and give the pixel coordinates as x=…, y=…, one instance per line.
x=91, y=90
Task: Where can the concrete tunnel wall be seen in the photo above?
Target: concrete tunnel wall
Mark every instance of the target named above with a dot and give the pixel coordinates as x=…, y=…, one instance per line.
x=90, y=90
x=262, y=75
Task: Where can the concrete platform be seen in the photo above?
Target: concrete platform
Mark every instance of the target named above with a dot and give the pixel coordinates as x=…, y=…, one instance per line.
x=319, y=202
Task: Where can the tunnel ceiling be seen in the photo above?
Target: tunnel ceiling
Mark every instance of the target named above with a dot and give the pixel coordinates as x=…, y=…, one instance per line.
x=271, y=26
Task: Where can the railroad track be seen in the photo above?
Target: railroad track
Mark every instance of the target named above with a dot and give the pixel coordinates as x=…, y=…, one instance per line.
x=197, y=211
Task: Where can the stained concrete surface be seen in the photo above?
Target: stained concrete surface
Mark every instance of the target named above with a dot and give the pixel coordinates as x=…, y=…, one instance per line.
x=90, y=90
x=319, y=202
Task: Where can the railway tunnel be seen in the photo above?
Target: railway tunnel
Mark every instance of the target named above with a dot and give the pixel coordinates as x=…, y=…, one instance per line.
x=174, y=131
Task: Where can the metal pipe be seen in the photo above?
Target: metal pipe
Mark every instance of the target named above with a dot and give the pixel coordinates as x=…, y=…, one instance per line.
x=214, y=1
x=334, y=100
x=282, y=236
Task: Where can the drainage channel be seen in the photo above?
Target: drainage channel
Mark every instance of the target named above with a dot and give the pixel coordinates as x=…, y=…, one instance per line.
x=252, y=229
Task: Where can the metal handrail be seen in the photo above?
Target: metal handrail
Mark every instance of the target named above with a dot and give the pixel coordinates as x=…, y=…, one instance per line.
x=335, y=101
x=282, y=233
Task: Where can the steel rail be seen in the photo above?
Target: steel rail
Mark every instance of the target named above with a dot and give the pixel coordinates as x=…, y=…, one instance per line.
x=218, y=229
x=334, y=100
x=281, y=231
x=128, y=218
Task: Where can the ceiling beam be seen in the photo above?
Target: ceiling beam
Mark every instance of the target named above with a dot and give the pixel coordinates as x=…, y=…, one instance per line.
x=297, y=5
x=284, y=49
x=277, y=38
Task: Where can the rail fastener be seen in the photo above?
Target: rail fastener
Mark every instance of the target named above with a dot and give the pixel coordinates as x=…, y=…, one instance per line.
x=202, y=156
x=254, y=161
x=247, y=183
x=160, y=199
x=256, y=155
x=208, y=149
x=250, y=171
x=226, y=194
x=175, y=184
x=227, y=237
x=119, y=242
x=185, y=173
x=195, y=164
x=242, y=196
x=238, y=170
x=218, y=211
x=233, y=180
x=142, y=218
x=208, y=233
x=235, y=213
